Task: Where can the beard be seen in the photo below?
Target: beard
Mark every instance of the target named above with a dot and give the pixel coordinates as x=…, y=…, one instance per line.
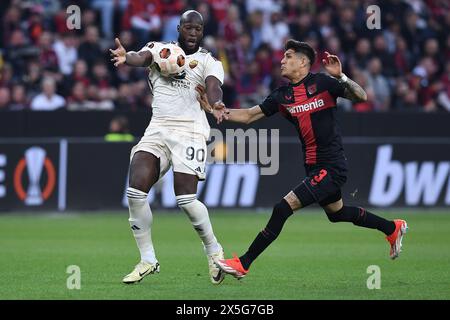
x=182, y=44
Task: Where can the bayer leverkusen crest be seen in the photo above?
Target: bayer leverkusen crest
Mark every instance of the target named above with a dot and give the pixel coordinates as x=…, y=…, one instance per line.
x=312, y=88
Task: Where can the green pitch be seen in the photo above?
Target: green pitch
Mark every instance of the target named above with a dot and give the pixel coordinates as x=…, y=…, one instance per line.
x=312, y=258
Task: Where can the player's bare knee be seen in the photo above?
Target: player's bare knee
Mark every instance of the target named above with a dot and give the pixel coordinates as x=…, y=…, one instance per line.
x=334, y=211
x=293, y=201
x=333, y=207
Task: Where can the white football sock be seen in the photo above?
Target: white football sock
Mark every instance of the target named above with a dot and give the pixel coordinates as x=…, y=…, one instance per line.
x=198, y=214
x=141, y=219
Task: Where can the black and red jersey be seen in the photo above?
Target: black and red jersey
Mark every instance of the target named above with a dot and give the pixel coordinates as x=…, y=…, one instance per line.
x=311, y=106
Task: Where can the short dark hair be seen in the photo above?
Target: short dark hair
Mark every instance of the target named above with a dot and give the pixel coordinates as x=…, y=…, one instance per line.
x=301, y=47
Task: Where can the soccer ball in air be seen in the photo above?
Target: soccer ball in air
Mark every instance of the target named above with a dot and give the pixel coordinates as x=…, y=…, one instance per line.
x=170, y=60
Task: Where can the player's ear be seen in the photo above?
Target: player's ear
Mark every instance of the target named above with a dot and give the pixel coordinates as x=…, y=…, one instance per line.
x=305, y=61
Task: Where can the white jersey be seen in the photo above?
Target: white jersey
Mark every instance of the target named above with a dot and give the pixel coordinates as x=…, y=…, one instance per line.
x=175, y=99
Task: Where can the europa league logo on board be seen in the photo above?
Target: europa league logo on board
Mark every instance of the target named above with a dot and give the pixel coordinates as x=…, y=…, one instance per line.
x=35, y=161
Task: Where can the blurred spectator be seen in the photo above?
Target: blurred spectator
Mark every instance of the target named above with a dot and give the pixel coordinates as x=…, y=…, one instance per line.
x=102, y=80
x=324, y=25
x=291, y=10
x=80, y=74
x=97, y=99
x=231, y=27
x=403, y=59
x=171, y=18
x=267, y=7
x=89, y=49
x=47, y=57
x=422, y=81
x=210, y=24
x=408, y=101
x=106, y=10
x=144, y=18
x=432, y=50
x=11, y=21
x=19, y=99
x=444, y=94
x=18, y=51
x=275, y=31
x=362, y=53
x=77, y=101
x=5, y=97
x=6, y=75
x=379, y=85
x=220, y=8
x=125, y=99
x=32, y=79
x=380, y=51
x=47, y=100
x=256, y=22
x=346, y=28
x=119, y=130
x=66, y=52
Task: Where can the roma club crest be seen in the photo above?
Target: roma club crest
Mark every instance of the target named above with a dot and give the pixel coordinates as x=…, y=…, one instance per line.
x=193, y=64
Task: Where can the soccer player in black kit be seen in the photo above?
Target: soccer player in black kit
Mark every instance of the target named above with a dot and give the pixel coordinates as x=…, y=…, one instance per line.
x=309, y=103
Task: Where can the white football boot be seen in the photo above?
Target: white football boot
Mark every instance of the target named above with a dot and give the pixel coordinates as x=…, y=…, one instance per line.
x=216, y=275
x=141, y=270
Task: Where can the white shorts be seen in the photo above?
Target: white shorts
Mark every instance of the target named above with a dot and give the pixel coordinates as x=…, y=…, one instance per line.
x=185, y=151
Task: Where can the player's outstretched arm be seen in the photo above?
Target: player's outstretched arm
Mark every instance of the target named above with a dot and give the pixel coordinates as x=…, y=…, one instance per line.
x=143, y=58
x=244, y=115
x=221, y=112
x=353, y=91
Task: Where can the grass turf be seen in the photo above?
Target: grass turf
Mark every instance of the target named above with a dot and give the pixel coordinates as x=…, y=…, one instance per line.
x=311, y=259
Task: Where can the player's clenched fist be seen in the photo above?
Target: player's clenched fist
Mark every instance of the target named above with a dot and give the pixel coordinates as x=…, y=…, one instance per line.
x=118, y=56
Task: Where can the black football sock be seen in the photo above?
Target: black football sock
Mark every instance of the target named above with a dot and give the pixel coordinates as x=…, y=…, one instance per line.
x=363, y=218
x=281, y=212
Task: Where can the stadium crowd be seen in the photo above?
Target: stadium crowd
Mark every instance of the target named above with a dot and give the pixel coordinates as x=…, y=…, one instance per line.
x=404, y=65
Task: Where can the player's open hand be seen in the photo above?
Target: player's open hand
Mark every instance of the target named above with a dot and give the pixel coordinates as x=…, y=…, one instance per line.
x=118, y=56
x=332, y=65
x=219, y=110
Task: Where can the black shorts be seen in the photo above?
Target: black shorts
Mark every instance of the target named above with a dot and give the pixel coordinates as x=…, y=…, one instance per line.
x=322, y=184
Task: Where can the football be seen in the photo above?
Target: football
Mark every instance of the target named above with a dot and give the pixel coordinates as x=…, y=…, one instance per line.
x=170, y=60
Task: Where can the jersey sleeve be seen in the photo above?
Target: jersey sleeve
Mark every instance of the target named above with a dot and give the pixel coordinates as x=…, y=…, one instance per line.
x=333, y=86
x=270, y=105
x=214, y=68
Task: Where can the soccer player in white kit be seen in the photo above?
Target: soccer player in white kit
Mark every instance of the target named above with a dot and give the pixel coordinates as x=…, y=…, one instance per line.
x=176, y=136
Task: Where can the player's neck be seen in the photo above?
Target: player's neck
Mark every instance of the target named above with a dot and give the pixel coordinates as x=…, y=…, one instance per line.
x=298, y=77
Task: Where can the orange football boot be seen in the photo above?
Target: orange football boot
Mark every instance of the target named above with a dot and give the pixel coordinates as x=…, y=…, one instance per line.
x=232, y=266
x=395, y=239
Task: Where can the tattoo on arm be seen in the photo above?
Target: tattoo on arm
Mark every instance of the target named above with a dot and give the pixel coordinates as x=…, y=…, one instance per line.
x=354, y=92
